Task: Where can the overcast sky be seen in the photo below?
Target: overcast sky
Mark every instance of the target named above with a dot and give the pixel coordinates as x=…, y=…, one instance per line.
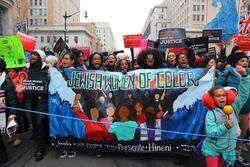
x=125, y=16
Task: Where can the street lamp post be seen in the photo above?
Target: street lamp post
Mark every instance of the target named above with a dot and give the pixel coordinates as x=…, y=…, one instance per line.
x=65, y=16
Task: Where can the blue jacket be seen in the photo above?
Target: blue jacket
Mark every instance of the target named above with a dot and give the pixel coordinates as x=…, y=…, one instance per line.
x=230, y=78
x=215, y=120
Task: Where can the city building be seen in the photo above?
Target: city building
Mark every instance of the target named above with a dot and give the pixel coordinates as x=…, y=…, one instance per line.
x=20, y=16
x=94, y=43
x=105, y=36
x=189, y=14
x=77, y=35
x=245, y=9
x=6, y=23
x=157, y=19
x=44, y=12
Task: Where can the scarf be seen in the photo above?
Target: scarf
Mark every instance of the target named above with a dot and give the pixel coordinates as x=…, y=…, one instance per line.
x=2, y=102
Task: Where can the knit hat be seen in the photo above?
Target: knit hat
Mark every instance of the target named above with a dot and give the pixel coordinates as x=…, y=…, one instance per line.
x=52, y=60
x=237, y=56
x=41, y=54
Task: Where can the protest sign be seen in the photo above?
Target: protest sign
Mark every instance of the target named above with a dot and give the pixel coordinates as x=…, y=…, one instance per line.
x=214, y=35
x=172, y=38
x=132, y=41
x=243, y=41
x=36, y=83
x=29, y=43
x=211, y=51
x=125, y=105
x=11, y=50
x=199, y=45
x=85, y=50
x=147, y=44
x=61, y=48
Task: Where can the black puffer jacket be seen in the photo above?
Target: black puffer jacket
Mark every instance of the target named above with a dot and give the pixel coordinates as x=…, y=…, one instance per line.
x=10, y=96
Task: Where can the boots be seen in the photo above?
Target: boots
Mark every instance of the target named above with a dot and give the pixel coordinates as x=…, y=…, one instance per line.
x=17, y=140
x=39, y=153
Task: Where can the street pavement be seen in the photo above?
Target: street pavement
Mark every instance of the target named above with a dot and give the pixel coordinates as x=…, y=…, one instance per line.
x=22, y=156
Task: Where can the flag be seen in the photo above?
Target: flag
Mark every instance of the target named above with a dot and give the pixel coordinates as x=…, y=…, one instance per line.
x=245, y=25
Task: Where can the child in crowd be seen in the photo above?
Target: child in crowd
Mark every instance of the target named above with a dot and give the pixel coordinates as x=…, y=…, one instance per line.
x=230, y=77
x=218, y=123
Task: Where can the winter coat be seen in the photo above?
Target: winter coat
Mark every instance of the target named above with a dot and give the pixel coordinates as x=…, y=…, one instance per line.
x=215, y=126
x=10, y=96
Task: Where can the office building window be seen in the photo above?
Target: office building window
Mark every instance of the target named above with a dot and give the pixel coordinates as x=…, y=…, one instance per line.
x=35, y=2
x=194, y=7
x=45, y=12
x=198, y=8
x=40, y=2
x=31, y=12
x=31, y=22
x=161, y=16
x=194, y=17
x=48, y=39
x=36, y=22
x=76, y=39
x=42, y=39
x=202, y=8
x=35, y=12
x=202, y=17
x=40, y=22
x=40, y=12
x=198, y=17
x=44, y=2
x=45, y=21
x=54, y=39
x=31, y=2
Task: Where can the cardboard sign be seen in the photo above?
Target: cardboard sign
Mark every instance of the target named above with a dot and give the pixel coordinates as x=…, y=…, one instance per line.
x=199, y=45
x=29, y=43
x=11, y=50
x=212, y=51
x=243, y=41
x=36, y=83
x=132, y=41
x=147, y=44
x=172, y=38
x=61, y=48
x=214, y=35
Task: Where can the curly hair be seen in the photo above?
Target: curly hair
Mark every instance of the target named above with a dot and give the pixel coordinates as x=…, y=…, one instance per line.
x=158, y=59
x=118, y=64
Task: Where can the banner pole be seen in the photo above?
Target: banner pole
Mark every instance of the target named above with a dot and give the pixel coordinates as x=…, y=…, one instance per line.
x=132, y=53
